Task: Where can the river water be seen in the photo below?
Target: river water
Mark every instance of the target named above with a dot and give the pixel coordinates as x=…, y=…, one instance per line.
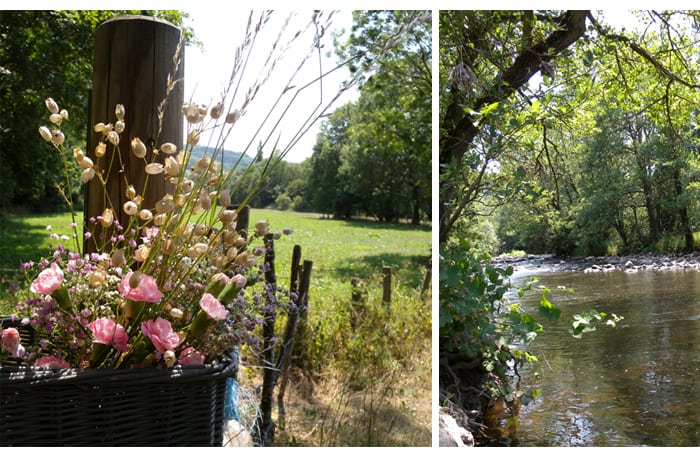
x=637, y=384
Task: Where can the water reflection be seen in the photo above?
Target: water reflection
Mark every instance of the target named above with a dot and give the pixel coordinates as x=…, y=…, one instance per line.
x=633, y=385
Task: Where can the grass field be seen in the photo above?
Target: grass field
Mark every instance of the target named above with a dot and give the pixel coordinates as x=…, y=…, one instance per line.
x=368, y=385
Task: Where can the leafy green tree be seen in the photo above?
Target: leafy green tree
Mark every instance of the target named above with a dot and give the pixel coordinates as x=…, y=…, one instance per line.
x=328, y=194
x=270, y=180
x=44, y=54
x=374, y=157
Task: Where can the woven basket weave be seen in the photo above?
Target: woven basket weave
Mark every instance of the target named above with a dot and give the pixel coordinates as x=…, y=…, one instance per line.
x=109, y=407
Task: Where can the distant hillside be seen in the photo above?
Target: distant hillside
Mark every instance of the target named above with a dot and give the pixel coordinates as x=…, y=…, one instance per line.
x=230, y=157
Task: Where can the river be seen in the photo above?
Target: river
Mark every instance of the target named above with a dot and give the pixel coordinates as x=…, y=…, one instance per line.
x=637, y=384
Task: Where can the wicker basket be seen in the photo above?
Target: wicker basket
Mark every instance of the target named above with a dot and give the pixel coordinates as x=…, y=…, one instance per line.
x=107, y=407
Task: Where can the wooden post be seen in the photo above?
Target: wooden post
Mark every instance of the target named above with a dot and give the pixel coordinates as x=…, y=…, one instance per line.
x=133, y=58
x=242, y=221
x=265, y=425
x=284, y=357
x=386, y=296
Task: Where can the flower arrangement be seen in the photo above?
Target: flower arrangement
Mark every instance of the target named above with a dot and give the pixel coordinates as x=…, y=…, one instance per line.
x=173, y=287
x=178, y=283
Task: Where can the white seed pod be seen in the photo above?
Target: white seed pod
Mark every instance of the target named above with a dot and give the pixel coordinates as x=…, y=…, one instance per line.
x=55, y=119
x=169, y=358
x=113, y=137
x=216, y=110
x=57, y=137
x=145, y=215
x=130, y=208
x=154, y=168
x=86, y=162
x=186, y=186
x=78, y=154
x=100, y=150
x=165, y=204
x=224, y=198
x=131, y=192
x=193, y=138
x=51, y=105
x=119, y=126
x=142, y=253
x=181, y=200
x=232, y=117
x=87, y=175
x=168, y=148
x=200, y=230
x=262, y=228
x=119, y=111
x=203, y=164
x=168, y=246
x=204, y=201
x=107, y=218
x=171, y=167
x=227, y=216
x=138, y=148
x=45, y=133
x=159, y=219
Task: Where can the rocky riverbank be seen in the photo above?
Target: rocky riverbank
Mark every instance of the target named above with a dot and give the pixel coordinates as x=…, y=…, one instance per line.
x=597, y=264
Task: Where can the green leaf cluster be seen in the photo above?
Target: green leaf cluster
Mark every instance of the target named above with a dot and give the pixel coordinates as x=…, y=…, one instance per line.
x=477, y=320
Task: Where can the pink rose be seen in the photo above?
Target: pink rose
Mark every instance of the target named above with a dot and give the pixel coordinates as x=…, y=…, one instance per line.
x=161, y=334
x=213, y=307
x=191, y=357
x=106, y=331
x=51, y=362
x=48, y=280
x=146, y=291
x=239, y=280
x=11, y=342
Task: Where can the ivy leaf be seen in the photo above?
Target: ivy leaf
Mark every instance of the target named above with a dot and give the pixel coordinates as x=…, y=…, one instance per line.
x=548, y=310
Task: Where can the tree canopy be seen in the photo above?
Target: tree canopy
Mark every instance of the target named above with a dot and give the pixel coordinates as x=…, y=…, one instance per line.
x=531, y=100
x=373, y=155
x=45, y=54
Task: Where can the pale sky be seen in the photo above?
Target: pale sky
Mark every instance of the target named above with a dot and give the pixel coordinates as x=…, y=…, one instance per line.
x=207, y=73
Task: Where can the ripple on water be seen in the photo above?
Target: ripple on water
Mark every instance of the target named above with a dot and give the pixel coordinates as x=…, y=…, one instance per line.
x=633, y=385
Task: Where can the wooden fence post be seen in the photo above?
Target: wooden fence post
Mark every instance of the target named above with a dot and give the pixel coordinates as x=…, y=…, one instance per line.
x=133, y=58
x=386, y=296
x=285, y=356
x=265, y=425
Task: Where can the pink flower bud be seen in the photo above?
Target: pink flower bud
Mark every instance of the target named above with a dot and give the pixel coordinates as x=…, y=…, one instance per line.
x=213, y=307
x=146, y=291
x=11, y=342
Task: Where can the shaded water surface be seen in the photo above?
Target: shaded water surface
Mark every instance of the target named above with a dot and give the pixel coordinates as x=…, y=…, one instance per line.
x=637, y=384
